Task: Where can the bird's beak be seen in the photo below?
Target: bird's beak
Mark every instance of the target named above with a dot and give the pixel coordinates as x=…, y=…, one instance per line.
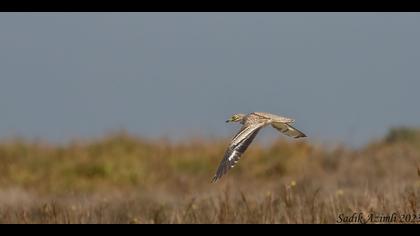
x=228, y=121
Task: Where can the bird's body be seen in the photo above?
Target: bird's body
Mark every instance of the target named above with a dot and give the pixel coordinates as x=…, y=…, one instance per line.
x=251, y=124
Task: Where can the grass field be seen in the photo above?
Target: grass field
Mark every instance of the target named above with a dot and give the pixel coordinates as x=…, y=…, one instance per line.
x=125, y=179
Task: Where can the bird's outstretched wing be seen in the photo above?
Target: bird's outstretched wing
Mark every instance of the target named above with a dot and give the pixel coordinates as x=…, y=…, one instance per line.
x=288, y=130
x=237, y=147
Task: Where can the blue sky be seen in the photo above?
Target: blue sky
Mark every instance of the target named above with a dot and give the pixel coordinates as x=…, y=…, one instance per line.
x=344, y=77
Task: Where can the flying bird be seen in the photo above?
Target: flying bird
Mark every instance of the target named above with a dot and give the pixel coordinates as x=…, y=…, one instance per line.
x=251, y=124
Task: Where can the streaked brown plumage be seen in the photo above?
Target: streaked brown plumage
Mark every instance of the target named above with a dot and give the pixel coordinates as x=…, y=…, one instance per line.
x=251, y=124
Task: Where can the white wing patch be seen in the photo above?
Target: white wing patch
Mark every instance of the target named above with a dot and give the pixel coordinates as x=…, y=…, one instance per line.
x=238, y=146
x=232, y=156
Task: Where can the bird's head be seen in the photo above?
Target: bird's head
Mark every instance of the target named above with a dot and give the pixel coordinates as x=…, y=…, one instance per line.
x=236, y=118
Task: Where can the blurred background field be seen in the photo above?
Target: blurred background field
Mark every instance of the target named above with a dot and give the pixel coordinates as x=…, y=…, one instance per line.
x=69, y=80
x=121, y=178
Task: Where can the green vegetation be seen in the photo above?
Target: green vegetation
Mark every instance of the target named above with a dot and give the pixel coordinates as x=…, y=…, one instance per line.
x=125, y=179
x=403, y=134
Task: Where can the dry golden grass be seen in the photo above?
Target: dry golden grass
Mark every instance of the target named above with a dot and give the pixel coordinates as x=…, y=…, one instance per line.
x=126, y=179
